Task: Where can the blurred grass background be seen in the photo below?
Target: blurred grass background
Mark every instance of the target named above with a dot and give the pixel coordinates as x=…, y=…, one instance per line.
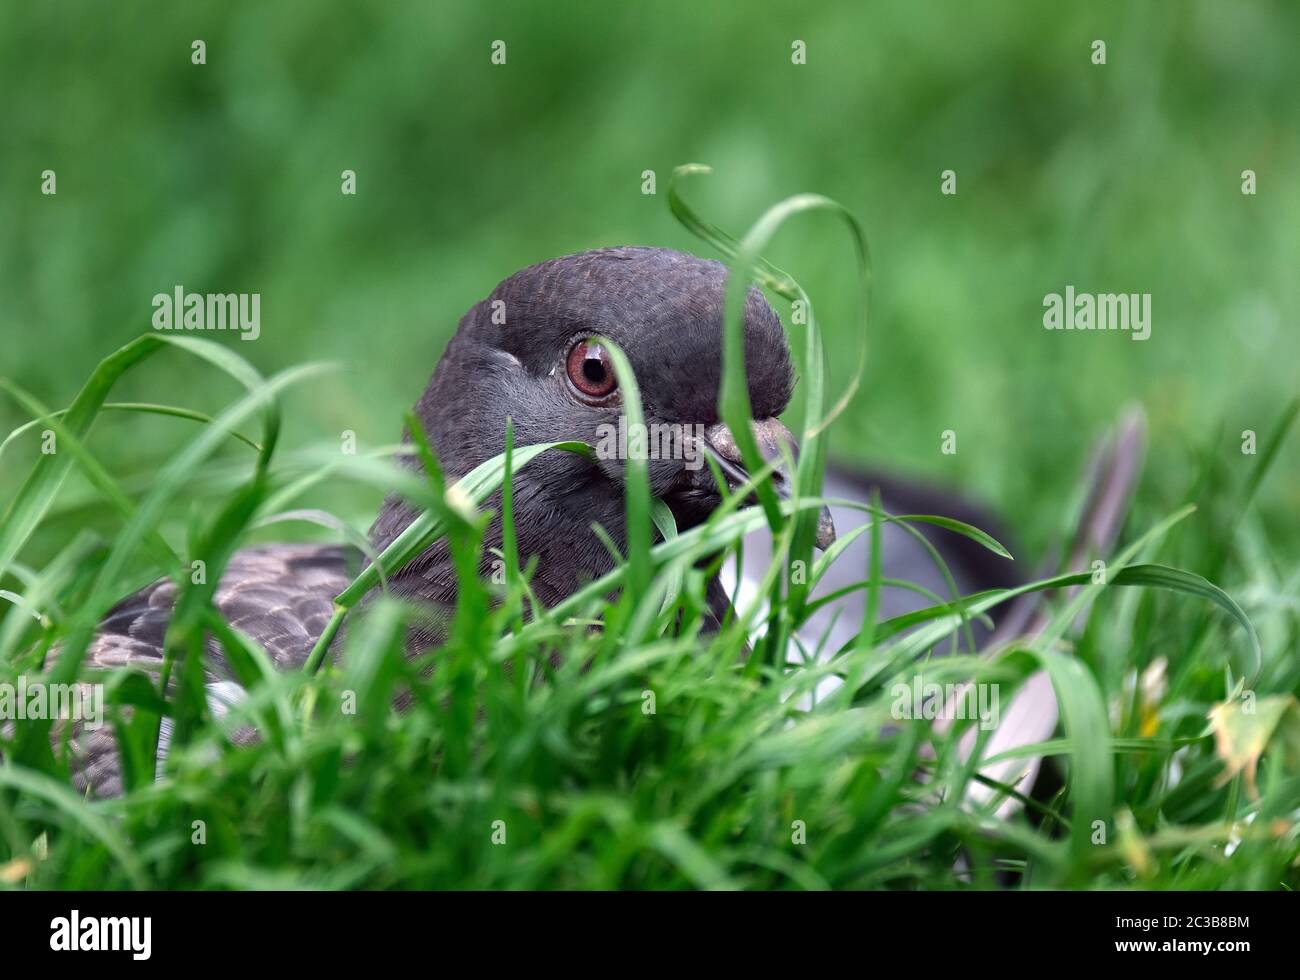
x=226, y=177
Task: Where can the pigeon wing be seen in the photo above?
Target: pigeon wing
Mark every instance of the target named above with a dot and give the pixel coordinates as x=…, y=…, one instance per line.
x=280, y=596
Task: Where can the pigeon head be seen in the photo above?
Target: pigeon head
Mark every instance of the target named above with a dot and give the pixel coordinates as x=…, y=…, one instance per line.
x=528, y=352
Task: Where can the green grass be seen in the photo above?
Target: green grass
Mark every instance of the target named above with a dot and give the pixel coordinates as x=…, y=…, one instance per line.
x=646, y=754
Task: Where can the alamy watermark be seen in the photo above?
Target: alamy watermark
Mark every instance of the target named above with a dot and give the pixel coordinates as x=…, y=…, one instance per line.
x=179, y=310
x=1098, y=311
x=39, y=701
x=952, y=702
x=102, y=933
x=659, y=440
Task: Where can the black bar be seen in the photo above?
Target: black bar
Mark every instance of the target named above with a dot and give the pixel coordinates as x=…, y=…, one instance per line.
x=226, y=930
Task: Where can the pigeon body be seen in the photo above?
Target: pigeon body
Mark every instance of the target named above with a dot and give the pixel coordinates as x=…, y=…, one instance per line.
x=280, y=596
x=528, y=352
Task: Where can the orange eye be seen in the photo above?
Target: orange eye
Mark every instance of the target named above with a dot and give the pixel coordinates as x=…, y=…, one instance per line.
x=591, y=370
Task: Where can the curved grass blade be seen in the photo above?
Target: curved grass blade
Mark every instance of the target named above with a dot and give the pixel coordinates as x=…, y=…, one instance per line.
x=747, y=265
x=1092, y=775
x=144, y=408
x=99, y=477
x=47, y=475
x=636, y=479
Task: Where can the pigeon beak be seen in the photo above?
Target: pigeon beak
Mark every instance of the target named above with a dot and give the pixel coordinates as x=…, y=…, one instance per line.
x=770, y=434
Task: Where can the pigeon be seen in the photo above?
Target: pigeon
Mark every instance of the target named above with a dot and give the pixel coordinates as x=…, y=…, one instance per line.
x=531, y=352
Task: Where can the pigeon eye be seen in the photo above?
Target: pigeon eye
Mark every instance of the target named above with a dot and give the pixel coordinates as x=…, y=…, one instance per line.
x=591, y=370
